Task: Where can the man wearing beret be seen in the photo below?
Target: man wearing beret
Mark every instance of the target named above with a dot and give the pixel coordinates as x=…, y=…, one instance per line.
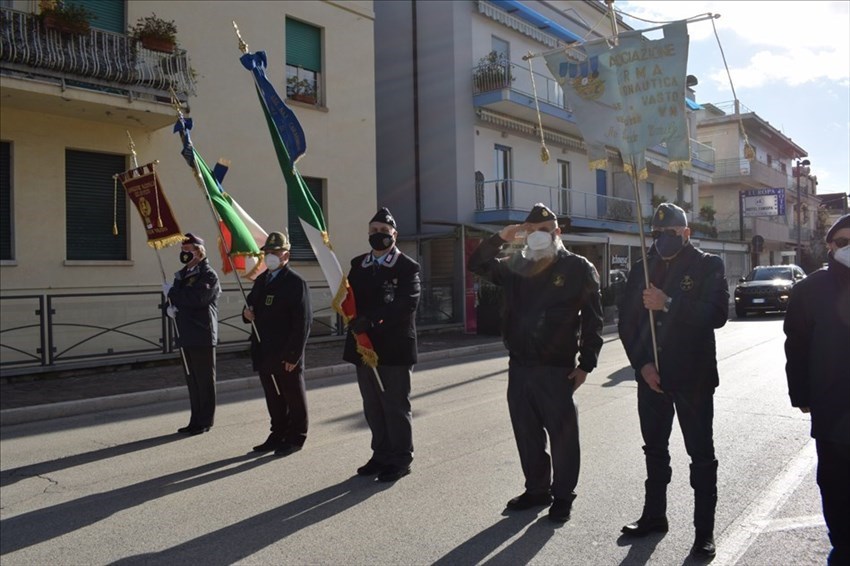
x=386, y=290
x=193, y=299
x=552, y=314
x=279, y=307
x=689, y=298
x=817, y=330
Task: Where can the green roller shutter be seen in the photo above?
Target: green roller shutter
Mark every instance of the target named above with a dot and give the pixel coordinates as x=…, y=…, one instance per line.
x=301, y=249
x=89, y=206
x=6, y=200
x=109, y=14
x=303, y=45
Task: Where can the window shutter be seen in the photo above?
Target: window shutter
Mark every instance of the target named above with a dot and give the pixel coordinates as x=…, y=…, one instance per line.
x=303, y=45
x=301, y=249
x=6, y=200
x=89, y=206
x=109, y=14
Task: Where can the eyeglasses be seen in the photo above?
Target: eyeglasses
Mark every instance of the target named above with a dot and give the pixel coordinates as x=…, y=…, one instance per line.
x=669, y=232
x=841, y=242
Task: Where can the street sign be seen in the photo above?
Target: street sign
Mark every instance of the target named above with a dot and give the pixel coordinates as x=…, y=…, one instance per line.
x=763, y=202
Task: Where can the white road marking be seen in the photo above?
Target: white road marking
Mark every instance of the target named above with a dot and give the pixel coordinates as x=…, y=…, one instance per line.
x=794, y=523
x=741, y=534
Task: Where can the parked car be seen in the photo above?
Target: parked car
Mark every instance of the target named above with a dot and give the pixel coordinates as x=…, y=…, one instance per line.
x=766, y=288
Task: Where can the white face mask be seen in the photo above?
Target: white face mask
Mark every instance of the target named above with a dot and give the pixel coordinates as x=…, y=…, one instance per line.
x=842, y=256
x=272, y=262
x=539, y=240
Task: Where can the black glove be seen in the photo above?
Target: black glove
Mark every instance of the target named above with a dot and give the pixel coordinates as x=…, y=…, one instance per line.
x=360, y=324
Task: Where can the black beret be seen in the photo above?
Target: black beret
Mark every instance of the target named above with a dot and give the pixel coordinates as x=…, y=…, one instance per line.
x=668, y=215
x=190, y=238
x=384, y=217
x=540, y=213
x=843, y=222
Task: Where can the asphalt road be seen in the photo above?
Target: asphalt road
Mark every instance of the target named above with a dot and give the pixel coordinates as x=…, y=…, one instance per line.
x=120, y=487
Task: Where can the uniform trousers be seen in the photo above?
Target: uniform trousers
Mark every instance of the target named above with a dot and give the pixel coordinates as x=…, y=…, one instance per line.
x=201, y=383
x=288, y=406
x=833, y=473
x=695, y=411
x=388, y=413
x=540, y=401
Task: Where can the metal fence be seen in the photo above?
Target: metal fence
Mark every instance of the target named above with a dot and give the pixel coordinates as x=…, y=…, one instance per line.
x=77, y=329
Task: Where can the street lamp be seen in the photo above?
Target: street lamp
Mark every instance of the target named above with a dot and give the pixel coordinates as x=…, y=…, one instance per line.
x=801, y=169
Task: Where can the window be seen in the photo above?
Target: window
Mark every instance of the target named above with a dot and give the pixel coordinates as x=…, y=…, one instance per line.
x=301, y=249
x=564, y=184
x=92, y=205
x=303, y=61
x=501, y=47
x=6, y=201
x=503, y=177
x=108, y=14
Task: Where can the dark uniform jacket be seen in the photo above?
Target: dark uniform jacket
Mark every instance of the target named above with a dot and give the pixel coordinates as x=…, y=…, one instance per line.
x=696, y=281
x=283, y=317
x=548, y=317
x=817, y=329
x=195, y=294
x=386, y=291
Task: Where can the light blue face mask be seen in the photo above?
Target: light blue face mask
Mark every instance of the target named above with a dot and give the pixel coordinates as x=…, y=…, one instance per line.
x=538, y=240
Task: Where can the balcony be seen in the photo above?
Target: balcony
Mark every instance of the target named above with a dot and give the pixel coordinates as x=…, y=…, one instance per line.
x=99, y=75
x=754, y=174
x=508, y=201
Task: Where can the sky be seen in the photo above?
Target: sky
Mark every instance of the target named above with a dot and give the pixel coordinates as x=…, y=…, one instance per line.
x=790, y=64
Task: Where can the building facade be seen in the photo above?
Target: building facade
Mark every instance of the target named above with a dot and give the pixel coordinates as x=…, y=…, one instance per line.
x=74, y=290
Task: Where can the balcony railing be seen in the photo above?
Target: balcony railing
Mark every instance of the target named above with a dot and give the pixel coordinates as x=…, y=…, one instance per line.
x=511, y=194
x=504, y=74
x=756, y=171
x=98, y=59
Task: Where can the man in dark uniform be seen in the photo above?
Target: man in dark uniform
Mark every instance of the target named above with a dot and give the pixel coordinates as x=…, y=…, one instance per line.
x=688, y=297
x=279, y=307
x=193, y=305
x=385, y=283
x=552, y=312
x=817, y=330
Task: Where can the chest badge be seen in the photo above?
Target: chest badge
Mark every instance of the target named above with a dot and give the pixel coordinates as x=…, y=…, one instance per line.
x=687, y=283
x=269, y=300
x=558, y=281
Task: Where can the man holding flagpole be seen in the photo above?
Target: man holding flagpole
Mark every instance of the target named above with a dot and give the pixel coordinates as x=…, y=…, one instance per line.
x=194, y=306
x=386, y=288
x=279, y=308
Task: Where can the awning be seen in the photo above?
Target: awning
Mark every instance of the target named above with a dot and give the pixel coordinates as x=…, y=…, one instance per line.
x=523, y=12
x=692, y=105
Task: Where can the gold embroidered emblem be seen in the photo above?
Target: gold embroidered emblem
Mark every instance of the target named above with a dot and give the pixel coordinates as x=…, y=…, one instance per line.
x=661, y=214
x=545, y=213
x=687, y=283
x=558, y=281
x=269, y=299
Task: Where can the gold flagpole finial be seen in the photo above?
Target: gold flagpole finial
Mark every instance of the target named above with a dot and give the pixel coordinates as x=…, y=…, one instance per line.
x=175, y=102
x=243, y=47
x=132, y=144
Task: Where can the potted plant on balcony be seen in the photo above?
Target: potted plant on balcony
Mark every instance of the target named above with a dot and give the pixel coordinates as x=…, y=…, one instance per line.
x=73, y=19
x=155, y=34
x=301, y=90
x=493, y=72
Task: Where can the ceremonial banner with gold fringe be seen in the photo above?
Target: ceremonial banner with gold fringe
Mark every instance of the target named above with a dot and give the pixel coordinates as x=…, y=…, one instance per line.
x=631, y=96
x=289, y=143
x=145, y=190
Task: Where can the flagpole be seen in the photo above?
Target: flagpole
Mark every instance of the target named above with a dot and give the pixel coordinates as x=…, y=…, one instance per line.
x=643, y=259
x=132, y=145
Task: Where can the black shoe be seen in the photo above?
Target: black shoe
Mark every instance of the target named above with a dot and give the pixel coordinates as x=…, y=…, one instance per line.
x=528, y=500
x=559, y=512
x=285, y=449
x=704, y=546
x=645, y=526
x=186, y=429
x=196, y=430
x=271, y=443
x=370, y=468
x=393, y=473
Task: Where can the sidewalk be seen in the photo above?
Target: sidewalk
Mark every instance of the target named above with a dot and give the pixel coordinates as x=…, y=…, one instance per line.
x=25, y=399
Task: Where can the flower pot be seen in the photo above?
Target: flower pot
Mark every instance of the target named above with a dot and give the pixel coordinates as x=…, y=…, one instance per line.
x=157, y=44
x=57, y=23
x=306, y=98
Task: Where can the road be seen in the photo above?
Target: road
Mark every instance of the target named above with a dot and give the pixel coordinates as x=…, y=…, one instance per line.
x=119, y=487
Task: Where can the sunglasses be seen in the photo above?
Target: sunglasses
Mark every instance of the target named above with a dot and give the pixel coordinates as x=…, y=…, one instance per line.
x=657, y=233
x=841, y=242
